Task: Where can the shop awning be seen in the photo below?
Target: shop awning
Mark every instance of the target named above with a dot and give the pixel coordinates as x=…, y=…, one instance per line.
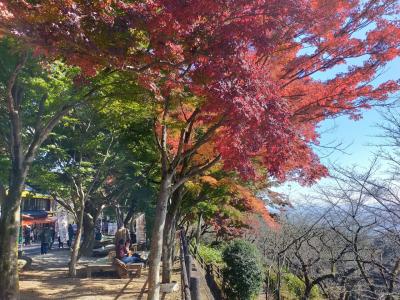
x=26, y=217
x=34, y=214
x=39, y=221
x=31, y=217
x=46, y=220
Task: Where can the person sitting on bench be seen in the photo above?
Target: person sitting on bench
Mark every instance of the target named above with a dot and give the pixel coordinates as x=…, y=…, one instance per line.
x=123, y=254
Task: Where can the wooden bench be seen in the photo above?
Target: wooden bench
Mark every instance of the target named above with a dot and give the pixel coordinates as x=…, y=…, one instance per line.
x=111, y=263
x=125, y=270
x=98, y=267
x=101, y=265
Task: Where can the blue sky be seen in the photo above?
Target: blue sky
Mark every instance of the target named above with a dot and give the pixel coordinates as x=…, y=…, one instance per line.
x=359, y=136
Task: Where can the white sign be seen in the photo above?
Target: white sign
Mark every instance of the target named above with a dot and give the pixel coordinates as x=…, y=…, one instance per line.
x=112, y=228
x=62, y=224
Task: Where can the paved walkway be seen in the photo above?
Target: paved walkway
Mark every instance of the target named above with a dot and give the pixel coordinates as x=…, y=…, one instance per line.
x=47, y=279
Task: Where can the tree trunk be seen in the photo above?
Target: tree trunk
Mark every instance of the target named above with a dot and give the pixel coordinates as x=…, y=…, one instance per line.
x=88, y=235
x=9, y=232
x=75, y=249
x=169, y=234
x=279, y=279
x=307, y=292
x=393, y=280
x=157, y=238
x=198, y=230
x=119, y=216
x=168, y=247
x=129, y=215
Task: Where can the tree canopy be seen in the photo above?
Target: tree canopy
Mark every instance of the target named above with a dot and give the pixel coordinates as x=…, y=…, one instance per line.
x=244, y=58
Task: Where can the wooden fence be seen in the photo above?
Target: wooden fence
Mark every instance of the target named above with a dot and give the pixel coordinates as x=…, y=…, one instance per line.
x=214, y=276
x=191, y=276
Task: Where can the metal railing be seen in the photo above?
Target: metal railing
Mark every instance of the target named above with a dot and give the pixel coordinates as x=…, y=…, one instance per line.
x=214, y=276
x=184, y=274
x=190, y=275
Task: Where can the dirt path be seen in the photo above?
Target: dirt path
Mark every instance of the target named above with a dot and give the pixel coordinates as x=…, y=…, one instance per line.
x=47, y=279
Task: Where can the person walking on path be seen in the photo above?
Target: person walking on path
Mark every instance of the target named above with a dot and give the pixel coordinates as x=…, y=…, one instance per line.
x=70, y=235
x=35, y=234
x=60, y=242
x=45, y=238
x=27, y=235
x=52, y=235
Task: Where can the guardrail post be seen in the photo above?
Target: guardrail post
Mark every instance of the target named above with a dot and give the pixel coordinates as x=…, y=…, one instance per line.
x=195, y=286
x=184, y=275
x=189, y=263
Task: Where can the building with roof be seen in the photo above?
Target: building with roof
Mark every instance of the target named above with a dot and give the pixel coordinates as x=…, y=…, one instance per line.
x=37, y=208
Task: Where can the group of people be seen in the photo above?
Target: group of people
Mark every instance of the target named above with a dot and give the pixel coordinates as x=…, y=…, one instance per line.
x=122, y=247
x=31, y=235
x=47, y=238
x=46, y=235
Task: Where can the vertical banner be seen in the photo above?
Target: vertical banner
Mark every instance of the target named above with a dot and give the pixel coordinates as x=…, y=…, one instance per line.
x=141, y=229
x=62, y=224
x=112, y=228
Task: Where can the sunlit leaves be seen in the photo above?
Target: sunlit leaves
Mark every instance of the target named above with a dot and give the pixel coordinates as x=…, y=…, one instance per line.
x=245, y=60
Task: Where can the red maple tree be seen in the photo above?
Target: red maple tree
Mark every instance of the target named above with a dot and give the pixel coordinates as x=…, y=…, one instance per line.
x=241, y=56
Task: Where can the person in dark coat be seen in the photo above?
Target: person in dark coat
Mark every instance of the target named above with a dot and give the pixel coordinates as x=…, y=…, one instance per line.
x=60, y=243
x=45, y=238
x=70, y=235
x=27, y=235
x=53, y=235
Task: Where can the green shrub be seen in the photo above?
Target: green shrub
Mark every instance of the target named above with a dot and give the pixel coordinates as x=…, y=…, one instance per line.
x=292, y=287
x=243, y=274
x=210, y=255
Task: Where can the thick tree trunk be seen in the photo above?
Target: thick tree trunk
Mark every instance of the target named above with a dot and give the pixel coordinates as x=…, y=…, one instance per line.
x=74, y=254
x=169, y=235
x=75, y=251
x=9, y=232
x=86, y=248
x=157, y=238
x=168, y=247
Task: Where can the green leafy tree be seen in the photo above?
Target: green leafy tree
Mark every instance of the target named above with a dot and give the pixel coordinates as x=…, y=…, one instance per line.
x=136, y=175
x=243, y=274
x=78, y=158
x=35, y=95
x=91, y=161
